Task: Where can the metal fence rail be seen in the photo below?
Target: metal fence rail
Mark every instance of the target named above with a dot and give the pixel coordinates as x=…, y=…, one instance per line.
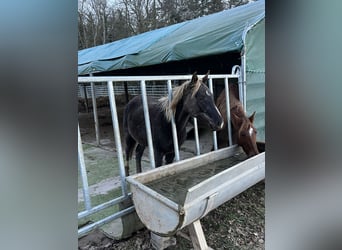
x=119, y=88
x=137, y=84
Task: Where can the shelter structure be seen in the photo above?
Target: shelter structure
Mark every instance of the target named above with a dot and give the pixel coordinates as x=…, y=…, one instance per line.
x=216, y=42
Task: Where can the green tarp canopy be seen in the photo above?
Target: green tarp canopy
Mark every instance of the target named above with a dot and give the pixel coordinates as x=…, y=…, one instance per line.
x=209, y=35
x=255, y=76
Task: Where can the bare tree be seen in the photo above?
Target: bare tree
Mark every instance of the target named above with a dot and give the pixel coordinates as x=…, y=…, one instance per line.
x=100, y=22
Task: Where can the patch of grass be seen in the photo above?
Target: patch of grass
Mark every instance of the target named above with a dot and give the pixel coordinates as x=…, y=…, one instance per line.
x=100, y=164
x=96, y=200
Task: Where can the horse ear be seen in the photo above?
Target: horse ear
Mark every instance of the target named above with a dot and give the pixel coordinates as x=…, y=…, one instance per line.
x=205, y=78
x=251, y=118
x=236, y=121
x=194, y=77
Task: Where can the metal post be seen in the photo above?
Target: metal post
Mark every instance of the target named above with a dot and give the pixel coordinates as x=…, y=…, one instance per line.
x=147, y=123
x=117, y=136
x=83, y=171
x=236, y=70
x=214, y=132
x=173, y=124
x=226, y=88
x=198, y=152
x=85, y=97
x=96, y=120
x=243, y=79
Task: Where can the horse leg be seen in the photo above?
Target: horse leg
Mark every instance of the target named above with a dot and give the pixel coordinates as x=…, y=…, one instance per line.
x=138, y=155
x=158, y=157
x=169, y=157
x=130, y=144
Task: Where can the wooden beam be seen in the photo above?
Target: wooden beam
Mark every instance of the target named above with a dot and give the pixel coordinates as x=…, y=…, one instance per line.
x=197, y=236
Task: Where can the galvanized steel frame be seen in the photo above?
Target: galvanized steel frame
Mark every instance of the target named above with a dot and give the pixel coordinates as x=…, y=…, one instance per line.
x=142, y=79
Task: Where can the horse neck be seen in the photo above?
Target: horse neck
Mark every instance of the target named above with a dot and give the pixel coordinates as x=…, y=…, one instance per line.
x=236, y=107
x=181, y=117
x=238, y=111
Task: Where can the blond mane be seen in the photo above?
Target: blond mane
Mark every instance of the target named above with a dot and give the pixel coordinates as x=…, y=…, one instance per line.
x=168, y=108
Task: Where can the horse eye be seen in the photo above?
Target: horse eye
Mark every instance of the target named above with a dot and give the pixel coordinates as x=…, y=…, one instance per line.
x=243, y=134
x=207, y=93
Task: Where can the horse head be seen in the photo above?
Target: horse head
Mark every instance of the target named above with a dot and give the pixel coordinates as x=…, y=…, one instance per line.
x=246, y=133
x=200, y=102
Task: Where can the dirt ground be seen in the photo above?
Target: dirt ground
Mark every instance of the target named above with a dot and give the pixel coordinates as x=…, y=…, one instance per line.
x=237, y=224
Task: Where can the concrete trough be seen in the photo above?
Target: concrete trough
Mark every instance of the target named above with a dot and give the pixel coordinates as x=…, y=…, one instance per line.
x=172, y=197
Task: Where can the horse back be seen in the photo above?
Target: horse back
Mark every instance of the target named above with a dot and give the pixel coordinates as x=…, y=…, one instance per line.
x=134, y=119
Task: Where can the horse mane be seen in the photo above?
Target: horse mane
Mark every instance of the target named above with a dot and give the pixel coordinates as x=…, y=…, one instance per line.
x=169, y=108
x=235, y=104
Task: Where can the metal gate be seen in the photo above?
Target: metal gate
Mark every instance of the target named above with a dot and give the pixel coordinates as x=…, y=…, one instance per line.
x=166, y=82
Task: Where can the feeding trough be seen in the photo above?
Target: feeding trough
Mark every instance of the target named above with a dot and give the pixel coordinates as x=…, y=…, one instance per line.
x=172, y=197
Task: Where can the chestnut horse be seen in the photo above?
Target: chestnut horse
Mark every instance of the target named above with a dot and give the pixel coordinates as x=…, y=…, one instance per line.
x=190, y=99
x=243, y=131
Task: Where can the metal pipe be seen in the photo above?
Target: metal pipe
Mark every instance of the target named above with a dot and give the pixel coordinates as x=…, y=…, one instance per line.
x=241, y=97
x=173, y=124
x=117, y=137
x=85, y=98
x=83, y=171
x=243, y=77
x=198, y=152
x=96, y=120
x=86, y=79
x=147, y=123
x=214, y=132
x=86, y=229
x=236, y=70
x=226, y=87
x=102, y=206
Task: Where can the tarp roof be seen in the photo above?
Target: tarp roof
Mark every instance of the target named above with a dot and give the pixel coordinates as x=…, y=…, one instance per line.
x=209, y=35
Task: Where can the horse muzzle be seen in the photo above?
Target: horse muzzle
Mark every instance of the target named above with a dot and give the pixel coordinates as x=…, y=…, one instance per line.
x=253, y=152
x=215, y=125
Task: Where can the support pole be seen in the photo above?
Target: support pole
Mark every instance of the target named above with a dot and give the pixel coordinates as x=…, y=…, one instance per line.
x=243, y=79
x=198, y=152
x=85, y=97
x=173, y=124
x=147, y=123
x=228, y=111
x=117, y=137
x=214, y=132
x=96, y=119
x=83, y=172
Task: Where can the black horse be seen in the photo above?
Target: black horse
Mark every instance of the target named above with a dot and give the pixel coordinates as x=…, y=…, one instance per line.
x=190, y=99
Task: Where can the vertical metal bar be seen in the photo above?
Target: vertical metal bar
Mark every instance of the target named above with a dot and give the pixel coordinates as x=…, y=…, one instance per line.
x=241, y=97
x=198, y=152
x=214, y=132
x=117, y=137
x=96, y=120
x=226, y=87
x=173, y=124
x=147, y=123
x=85, y=97
x=243, y=76
x=83, y=171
